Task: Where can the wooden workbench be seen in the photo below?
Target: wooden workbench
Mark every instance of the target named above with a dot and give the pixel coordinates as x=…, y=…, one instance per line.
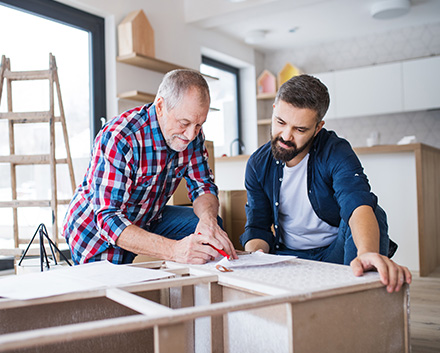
x=294, y=306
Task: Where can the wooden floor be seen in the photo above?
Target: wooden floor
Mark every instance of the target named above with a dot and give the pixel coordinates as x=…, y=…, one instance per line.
x=425, y=313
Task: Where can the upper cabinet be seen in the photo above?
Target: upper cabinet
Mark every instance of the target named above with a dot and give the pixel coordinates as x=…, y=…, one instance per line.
x=369, y=91
x=383, y=89
x=421, y=84
x=328, y=79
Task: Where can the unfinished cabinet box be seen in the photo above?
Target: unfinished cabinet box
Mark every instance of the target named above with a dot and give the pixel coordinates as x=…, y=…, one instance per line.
x=232, y=211
x=135, y=35
x=286, y=73
x=281, y=307
x=180, y=196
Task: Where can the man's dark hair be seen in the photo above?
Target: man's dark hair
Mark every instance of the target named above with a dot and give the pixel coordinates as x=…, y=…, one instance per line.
x=305, y=91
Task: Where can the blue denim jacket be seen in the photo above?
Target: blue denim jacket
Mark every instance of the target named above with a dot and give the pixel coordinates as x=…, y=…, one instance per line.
x=336, y=186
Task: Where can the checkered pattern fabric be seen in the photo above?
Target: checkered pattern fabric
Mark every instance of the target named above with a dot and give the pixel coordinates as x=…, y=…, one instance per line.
x=131, y=176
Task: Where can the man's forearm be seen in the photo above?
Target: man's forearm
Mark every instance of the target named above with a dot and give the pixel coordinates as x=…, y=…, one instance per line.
x=139, y=241
x=206, y=207
x=257, y=244
x=365, y=230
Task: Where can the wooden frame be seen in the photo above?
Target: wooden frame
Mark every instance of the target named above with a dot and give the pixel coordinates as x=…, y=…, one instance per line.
x=203, y=310
x=427, y=160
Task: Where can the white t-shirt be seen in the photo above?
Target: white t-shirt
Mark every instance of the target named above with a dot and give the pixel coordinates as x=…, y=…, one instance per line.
x=301, y=228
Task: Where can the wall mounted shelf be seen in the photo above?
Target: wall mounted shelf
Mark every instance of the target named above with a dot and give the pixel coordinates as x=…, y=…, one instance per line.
x=147, y=62
x=266, y=95
x=137, y=96
x=264, y=121
x=144, y=97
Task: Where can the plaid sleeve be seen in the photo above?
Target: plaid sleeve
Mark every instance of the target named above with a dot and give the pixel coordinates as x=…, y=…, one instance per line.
x=199, y=176
x=111, y=184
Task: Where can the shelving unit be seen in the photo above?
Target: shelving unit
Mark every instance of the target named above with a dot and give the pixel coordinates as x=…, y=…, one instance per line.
x=152, y=64
x=266, y=95
x=264, y=122
x=137, y=96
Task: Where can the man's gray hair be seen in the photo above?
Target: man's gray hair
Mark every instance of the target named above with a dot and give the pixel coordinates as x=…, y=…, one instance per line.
x=177, y=82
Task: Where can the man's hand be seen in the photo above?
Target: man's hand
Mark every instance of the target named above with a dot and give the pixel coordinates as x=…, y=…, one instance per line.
x=193, y=250
x=217, y=237
x=391, y=274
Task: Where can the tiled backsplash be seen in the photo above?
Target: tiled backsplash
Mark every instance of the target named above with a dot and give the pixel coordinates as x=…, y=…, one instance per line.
x=397, y=45
x=424, y=125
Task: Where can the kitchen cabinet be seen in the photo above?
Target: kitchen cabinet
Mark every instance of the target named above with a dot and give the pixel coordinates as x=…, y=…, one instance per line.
x=421, y=83
x=383, y=89
x=328, y=79
x=369, y=90
x=405, y=179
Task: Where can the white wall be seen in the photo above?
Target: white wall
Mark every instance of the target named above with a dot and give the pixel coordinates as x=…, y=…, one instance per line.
x=377, y=48
x=175, y=42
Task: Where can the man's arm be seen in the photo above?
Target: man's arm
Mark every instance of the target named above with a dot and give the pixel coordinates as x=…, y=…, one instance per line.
x=365, y=232
x=257, y=245
x=191, y=249
x=188, y=250
x=206, y=208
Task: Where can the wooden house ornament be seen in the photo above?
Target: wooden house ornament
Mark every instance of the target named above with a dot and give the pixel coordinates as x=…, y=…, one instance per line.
x=135, y=35
x=266, y=83
x=286, y=73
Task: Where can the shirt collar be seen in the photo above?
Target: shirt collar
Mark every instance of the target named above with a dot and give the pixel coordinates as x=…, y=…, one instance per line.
x=159, y=143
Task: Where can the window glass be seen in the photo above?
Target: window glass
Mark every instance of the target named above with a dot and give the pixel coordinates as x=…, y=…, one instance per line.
x=27, y=40
x=222, y=125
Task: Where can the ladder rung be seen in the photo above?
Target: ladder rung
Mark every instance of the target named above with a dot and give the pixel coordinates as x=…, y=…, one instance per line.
x=30, y=159
x=28, y=117
x=25, y=203
x=27, y=75
x=31, y=203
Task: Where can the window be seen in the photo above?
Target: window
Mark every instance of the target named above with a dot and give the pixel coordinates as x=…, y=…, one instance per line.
x=223, y=123
x=31, y=29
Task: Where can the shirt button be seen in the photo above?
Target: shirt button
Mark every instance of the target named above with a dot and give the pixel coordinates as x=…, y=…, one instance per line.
x=278, y=162
x=281, y=179
x=277, y=246
x=276, y=226
x=276, y=203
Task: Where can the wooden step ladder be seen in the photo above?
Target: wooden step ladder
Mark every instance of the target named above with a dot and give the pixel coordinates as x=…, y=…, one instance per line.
x=30, y=118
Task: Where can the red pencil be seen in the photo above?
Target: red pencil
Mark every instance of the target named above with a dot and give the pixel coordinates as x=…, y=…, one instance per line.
x=222, y=252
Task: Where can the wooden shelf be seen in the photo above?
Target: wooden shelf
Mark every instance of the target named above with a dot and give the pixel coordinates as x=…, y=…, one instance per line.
x=266, y=95
x=147, y=62
x=153, y=64
x=137, y=96
x=147, y=98
x=262, y=122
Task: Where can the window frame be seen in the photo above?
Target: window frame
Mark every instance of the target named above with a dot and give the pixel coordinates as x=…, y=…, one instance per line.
x=235, y=71
x=94, y=25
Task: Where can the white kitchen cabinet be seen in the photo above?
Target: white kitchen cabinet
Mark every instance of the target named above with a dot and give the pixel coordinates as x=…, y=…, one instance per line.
x=369, y=90
x=421, y=83
x=328, y=79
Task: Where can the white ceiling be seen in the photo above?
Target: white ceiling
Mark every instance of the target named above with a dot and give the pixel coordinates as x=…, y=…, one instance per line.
x=317, y=21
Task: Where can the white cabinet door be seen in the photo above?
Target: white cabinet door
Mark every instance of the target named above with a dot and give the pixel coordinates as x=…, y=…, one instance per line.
x=328, y=79
x=369, y=91
x=421, y=83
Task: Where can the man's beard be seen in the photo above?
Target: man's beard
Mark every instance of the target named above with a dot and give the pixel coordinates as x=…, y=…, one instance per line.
x=283, y=154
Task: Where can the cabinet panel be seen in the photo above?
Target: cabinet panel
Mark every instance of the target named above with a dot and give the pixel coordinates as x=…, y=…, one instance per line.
x=368, y=91
x=328, y=79
x=421, y=84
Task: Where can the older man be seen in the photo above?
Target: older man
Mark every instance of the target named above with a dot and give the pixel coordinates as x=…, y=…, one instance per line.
x=138, y=160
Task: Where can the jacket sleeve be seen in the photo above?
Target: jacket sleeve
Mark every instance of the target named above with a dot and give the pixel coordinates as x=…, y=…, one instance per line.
x=259, y=212
x=350, y=183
